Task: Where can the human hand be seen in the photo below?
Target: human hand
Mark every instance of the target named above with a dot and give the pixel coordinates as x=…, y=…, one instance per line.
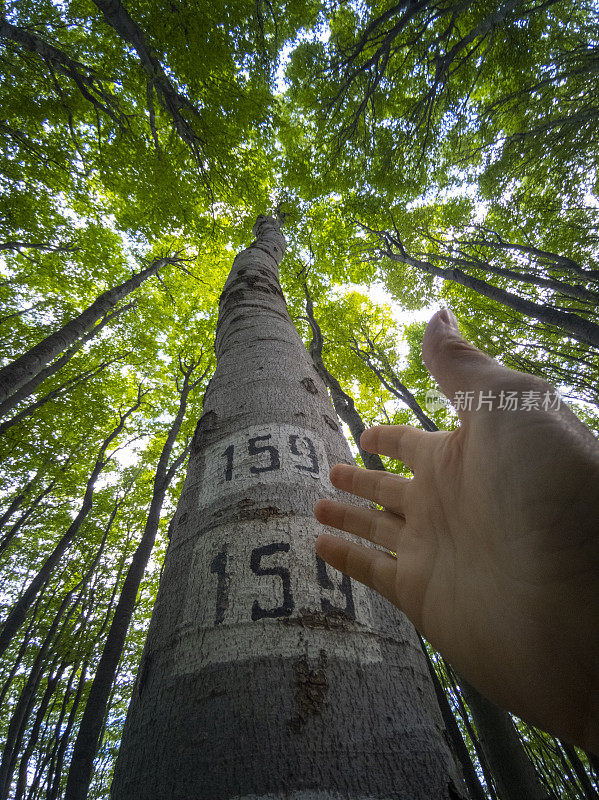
x=496, y=540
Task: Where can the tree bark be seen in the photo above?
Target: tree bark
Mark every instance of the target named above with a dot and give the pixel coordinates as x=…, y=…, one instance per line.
x=342, y=402
x=15, y=375
x=86, y=744
x=27, y=389
x=264, y=674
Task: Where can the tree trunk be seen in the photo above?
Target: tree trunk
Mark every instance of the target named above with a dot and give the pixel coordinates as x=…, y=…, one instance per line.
x=589, y=790
x=473, y=784
x=51, y=684
x=28, y=388
x=514, y=775
x=264, y=674
x=580, y=328
x=29, y=512
x=343, y=403
x=53, y=395
x=480, y=754
x=392, y=383
x=54, y=776
x=15, y=375
x=86, y=744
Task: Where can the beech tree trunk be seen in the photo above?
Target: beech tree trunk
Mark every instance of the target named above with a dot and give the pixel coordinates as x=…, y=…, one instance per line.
x=15, y=375
x=29, y=388
x=342, y=402
x=265, y=673
x=573, y=324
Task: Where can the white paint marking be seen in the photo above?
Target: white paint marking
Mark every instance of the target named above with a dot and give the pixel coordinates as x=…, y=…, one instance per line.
x=263, y=454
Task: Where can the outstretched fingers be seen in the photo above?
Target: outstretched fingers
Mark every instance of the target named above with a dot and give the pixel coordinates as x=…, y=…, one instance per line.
x=383, y=488
x=401, y=442
x=379, y=527
x=371, y=567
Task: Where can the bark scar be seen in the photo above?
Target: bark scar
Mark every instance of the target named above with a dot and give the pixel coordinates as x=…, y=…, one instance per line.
x=309, y=385
x=312, y=686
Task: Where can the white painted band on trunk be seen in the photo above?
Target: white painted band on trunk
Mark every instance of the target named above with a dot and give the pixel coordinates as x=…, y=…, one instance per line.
x=256, y=590
x=263, y=454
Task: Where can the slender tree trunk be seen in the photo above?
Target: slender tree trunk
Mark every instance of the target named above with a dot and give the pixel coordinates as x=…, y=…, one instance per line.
x=86, y=744
x=343, y=403
x=580, y=328
x=27, y=389
x=473, y=784
x=473, y=262
x=480, y=754
x=55, y=740
x=23, y=707
x=53, y=787
x=392, y=383
x=19, y=611
x=589, y=791
x=25, y=645
x=26, y=700
x=26, y=367
x=18, y=523
x=17, y=500
x=51, y=685
x=515, y=776
x=55, y=393
x=264, y=674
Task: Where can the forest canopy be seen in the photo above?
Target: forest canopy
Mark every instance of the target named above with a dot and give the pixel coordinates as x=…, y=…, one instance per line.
x=421, y=154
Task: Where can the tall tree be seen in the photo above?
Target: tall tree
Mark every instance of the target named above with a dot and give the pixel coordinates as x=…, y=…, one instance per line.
x=132, y=130
x=246, y=611
x=26, y=367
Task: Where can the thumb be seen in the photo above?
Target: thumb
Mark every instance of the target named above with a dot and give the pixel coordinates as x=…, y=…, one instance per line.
x=455, y=364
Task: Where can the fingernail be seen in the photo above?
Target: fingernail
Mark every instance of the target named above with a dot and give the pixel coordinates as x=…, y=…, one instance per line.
x=447, y=316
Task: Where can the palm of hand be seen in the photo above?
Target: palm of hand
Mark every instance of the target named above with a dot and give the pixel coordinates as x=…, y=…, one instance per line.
x=497, y=550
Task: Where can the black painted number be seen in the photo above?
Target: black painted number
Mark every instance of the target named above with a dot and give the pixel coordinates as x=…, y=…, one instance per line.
x=286, y=608
x=229, y=456
x=301, y=446
x=218, y=567
x=254, y=450
x=311, y=454
x=345, y=587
